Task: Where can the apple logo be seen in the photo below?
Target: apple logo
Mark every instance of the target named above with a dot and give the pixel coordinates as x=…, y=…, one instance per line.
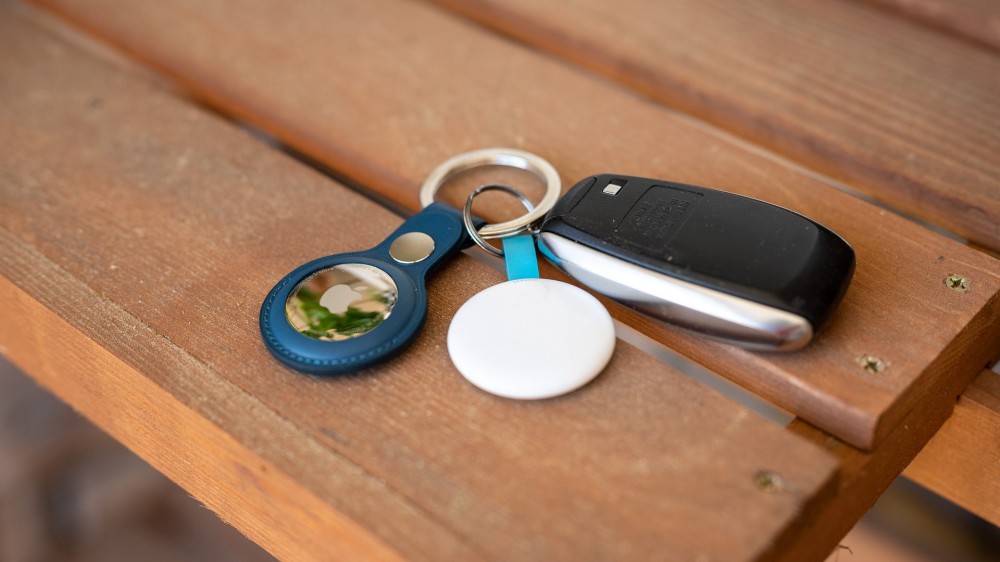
x=336, y=299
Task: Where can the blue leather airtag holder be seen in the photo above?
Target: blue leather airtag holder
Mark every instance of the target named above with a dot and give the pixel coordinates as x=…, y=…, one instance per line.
x=381, y=335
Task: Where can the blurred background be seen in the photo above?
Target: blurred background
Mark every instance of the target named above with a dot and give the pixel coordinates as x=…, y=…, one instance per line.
x=68, y=492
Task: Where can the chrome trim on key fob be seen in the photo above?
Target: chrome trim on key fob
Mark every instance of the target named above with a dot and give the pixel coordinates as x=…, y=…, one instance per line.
x=713, y=313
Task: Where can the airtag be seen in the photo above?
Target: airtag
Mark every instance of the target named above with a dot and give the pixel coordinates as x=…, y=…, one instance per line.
x=531, y=339
x=528, y=338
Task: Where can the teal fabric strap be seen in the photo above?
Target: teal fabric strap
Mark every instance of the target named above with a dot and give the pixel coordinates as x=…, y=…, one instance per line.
x=519, y=256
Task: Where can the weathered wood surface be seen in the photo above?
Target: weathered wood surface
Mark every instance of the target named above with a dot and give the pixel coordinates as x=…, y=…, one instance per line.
x=978, y=20
x=962, y=461
x=380, y=93
x=898, y=111
x=133, y=258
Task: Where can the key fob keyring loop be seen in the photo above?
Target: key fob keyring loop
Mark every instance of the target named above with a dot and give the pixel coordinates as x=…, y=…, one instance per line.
x=510, y=157
x=469, y=220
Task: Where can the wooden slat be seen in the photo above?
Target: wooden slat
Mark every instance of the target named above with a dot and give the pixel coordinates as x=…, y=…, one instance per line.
x=893, y=109
x=978, y=20
x=138, y=235
x=962, y=461
x=234, y=474
x=864, y=476
x=381, y=93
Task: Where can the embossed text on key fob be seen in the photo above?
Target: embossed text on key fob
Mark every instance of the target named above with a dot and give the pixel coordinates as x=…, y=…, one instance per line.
x=728, y=266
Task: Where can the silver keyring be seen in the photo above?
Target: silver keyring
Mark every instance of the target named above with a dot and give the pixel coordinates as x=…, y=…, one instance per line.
x=467, y=214
x=499, y=157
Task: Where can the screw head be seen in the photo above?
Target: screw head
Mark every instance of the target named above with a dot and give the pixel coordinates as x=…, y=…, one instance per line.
x=872, y=363
x=956, y=283
x=768, y=481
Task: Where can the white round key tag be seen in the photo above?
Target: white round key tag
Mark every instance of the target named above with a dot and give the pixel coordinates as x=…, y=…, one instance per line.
x=531, y=338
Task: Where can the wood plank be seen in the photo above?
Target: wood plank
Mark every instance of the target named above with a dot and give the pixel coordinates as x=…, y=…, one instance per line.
x=392, y=96
x=978, y=20
x=894, y=110
x=228, y=473
x=864, y=476
x=962, y=461
x=138, y=234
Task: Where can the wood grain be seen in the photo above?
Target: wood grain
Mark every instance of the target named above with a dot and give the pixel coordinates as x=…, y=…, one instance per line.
x=977, y=20
x=893, y=109
x=380, y=93
x=138, y=235
x=962, y=461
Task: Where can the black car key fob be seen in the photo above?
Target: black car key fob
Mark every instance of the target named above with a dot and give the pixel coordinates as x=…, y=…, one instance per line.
x=728, y=266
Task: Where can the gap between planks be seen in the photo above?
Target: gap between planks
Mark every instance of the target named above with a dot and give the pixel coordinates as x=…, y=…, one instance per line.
x=962, y=461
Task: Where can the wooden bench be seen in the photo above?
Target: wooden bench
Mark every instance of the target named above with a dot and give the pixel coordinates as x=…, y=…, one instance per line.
x=141, y=224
